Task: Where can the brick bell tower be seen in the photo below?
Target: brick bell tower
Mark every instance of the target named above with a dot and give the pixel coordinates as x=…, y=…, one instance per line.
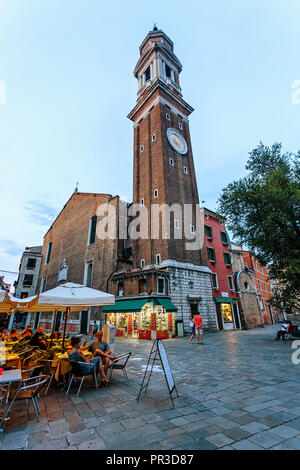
x=163, y=160
x=164, y=173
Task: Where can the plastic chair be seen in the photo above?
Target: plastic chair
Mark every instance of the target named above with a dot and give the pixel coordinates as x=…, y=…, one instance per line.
x=78, y=375
x=119, y=364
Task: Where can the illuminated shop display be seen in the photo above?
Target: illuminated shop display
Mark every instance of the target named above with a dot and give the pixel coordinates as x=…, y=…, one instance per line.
x=152, y=321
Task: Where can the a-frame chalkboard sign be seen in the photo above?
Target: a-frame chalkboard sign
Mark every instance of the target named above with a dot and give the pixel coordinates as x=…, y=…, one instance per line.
x=158, y=353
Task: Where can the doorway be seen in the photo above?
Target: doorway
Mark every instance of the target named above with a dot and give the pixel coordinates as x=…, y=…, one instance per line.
x=84, y=322
x=58, y=321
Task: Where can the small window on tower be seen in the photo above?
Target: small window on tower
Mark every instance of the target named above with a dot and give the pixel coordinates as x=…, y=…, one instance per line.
x=180, y=126
x=147, y=74
x=142, y=148
x=157, y=259
x=171, y=161
x=142, y=201
x=142, y=263
x=153, y=137
x=185, y=170
x=168, y=71
x=155, y=194
x=168, y=117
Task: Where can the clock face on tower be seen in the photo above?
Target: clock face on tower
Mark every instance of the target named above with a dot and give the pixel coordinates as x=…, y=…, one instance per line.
x=177, y=141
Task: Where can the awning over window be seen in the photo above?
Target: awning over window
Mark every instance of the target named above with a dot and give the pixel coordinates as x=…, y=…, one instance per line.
x=223, y=300
x=135, y=305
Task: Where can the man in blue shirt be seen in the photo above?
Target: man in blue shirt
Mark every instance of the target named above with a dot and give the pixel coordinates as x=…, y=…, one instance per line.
x=101, y=348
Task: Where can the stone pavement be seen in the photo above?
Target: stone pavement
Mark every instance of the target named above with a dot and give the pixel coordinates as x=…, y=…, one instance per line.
x=239, y=390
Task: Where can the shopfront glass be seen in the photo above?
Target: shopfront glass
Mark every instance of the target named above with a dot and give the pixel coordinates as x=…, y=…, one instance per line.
x=227, y=316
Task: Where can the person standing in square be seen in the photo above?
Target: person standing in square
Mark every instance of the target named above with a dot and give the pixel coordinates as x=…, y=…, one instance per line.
x=198, y=331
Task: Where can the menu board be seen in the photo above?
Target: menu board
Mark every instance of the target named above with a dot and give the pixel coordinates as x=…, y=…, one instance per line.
x=166, y=365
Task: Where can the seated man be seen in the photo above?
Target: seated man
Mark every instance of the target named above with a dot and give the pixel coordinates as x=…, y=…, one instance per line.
x=37, y=339
x=284, y=331
x=27, y=333
x=101, y=348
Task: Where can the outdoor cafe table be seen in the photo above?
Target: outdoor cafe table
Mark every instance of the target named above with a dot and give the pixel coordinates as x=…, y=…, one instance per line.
x=12, y=360
x=8, y=377
x=63, y=364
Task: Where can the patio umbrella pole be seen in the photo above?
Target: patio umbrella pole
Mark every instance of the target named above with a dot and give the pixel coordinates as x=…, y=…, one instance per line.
x=55, y=315
x=65, y=326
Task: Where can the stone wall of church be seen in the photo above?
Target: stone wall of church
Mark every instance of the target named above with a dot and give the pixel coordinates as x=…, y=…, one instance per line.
x=191, y=284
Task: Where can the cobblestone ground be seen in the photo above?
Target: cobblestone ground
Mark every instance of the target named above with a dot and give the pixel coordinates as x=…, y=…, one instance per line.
x=239, y=390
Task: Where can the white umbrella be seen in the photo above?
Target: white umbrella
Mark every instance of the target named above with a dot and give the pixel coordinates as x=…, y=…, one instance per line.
x=71, y=294
x=74, y=295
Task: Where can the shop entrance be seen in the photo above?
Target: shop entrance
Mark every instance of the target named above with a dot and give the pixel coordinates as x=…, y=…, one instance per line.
x=227, y=316
x=84, y=322
x=58, y=321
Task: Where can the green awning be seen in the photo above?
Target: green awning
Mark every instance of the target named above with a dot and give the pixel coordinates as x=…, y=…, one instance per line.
x=135, y=305
x=167, y=304
x=223, y=300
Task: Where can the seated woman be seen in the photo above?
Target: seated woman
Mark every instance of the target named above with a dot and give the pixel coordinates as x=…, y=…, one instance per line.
x=13, y=336
x=76, y=355
x=100, y=348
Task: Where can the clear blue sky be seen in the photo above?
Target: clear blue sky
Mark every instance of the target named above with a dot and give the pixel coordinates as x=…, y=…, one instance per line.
x=68, y=68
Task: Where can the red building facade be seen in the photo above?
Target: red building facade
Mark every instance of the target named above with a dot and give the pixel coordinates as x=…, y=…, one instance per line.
x=217, y=247
x=263, y=286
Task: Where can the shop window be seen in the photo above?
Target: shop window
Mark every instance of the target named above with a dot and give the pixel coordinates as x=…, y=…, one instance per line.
x=28, y=280
x=48, y=255
x=92, y=230
x=208, y=232
x=230, y=283
x=142, y=286
x=31, y=263
x=211, y=255
x=227, y=259
x=224, y=237
x=120, y=288
x=214, y=281
x=161, y=285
